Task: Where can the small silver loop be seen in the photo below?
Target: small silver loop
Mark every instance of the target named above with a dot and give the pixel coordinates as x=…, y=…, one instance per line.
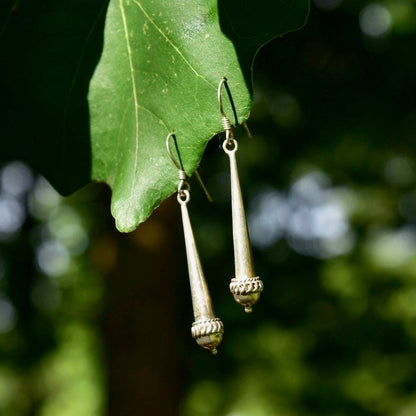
x=183, y=196
x=184, y=185
x=230, y=142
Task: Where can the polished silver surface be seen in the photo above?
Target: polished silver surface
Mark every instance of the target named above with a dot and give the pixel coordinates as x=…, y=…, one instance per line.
x=246, y=286
x=207, y=329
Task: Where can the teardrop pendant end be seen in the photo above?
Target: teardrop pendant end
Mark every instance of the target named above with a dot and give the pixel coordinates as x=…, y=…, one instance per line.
x=208, y=333
x=246, y=291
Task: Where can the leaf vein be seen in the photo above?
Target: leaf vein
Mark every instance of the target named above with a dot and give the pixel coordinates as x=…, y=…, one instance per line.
x=178, y=51
x=136, y=104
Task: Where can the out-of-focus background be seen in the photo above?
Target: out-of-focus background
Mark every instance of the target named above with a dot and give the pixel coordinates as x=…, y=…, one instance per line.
x=97, y=323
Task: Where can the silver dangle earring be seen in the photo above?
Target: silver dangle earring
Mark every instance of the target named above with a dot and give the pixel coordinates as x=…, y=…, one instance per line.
x=246, y=287
x=207, y=329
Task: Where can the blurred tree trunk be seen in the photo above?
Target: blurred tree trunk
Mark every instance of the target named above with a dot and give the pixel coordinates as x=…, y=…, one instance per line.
x=141, y=320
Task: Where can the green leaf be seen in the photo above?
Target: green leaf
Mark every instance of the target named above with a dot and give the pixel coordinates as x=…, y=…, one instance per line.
x=159, y=73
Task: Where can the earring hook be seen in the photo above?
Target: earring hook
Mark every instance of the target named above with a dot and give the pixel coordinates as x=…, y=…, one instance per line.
x=181, y=171
x=179, y=165
x=224, y=82
x=183, y=186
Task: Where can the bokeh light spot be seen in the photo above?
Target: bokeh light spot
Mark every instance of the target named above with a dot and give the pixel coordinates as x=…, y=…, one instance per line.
x=392, y=248
x=309, y=216
x=16, y=179
x=375, y=20
x=43, y=200
x=53, y=258
x=269, y=213
x=66, y=226
x=12, y=216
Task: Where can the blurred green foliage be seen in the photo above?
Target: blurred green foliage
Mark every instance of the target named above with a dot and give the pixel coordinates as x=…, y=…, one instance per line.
x=330, y=185
x=330, y=180
x=50, y=354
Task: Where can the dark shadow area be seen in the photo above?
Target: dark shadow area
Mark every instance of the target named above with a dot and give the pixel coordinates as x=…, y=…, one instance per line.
x=250, y=24
x=48, y=54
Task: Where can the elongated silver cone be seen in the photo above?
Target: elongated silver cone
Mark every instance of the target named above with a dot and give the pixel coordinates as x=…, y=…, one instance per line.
x=246, y=287
x=207, y=329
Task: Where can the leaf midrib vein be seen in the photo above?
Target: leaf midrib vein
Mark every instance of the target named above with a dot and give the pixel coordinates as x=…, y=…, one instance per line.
x=136, y=103
x=133, y=81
